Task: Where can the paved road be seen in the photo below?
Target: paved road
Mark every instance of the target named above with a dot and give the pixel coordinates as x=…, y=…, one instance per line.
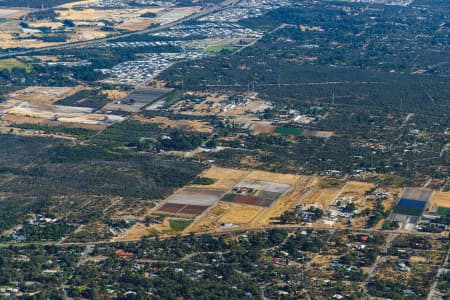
x=442, y=268
x=209, y=9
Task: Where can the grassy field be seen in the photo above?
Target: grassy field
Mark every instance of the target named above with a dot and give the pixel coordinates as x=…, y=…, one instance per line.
x=408, y=211
x=179, y=225
x=288, y=130
x=443, y=210
x=10, y=63
x=217, y=49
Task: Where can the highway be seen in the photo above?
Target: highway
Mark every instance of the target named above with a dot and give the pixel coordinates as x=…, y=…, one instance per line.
x=209, y=9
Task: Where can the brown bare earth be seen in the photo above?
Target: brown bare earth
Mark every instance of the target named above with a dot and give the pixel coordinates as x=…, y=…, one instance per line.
x=356, y=187
x=189, y=125
x=136, y=24
x=316, y=133
x=417, y=259
x=43, y=95
x=134, y=233
x=322, y=197
x=263, y=127
x=225, y=178
x=440, y=199
x=240, y=214
x=114, y=95
x=38, y=103
x=14, y=13
x=274, y=177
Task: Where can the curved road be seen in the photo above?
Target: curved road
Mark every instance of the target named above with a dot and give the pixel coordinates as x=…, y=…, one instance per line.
x=209, y=9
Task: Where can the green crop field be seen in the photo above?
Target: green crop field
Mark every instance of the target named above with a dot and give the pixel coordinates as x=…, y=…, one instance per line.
x=288, y=130
x=443, y=210
x=11, y=63
x=408, y=211
x=217, y=49
x=179, y=225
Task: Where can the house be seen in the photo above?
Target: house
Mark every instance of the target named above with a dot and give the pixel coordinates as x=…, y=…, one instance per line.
x=402, y=267
x=123, y=253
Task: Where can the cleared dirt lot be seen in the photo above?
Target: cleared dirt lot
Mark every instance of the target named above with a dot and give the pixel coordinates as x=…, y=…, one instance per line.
x=136, y=24
x=224, y=178
x=134, y=233
x=273, y=177
x=322, y=197
x=77, y=3
x=112, y=15
x=13, y=13
x=262, y=127
x=240, y=214
x=43, y=95
x=114, y=94
x=189, y=125
x=316, y=133
x=356, y=187
x=173, y=14
x=440, y=199
x=38, y=103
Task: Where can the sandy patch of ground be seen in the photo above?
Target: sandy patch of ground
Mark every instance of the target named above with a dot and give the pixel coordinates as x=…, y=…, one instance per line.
x=18, y=119
x=253, y=107
x=357, y=187
x=136, y=24
x=189, y=125
x=86, y=33
x=273, y=177
x=47, y=58
x=440, y=199
x=225, y=178
x=310, y=28
x=417, y=259
x=10, y=26
x=318, y=133
x=7, y=40
x=52, y=25
x=262, y=127
x=114, y=95
x=38, y=102
x=8, y=13
x=323, y=197
x=134, y=233
x=174, y=14
x=43, y=95
x=240, y=214
x=78, y=3
x=112, y=15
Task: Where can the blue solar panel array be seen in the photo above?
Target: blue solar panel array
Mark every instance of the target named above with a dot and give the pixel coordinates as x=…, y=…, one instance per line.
x=413, y=201
x=409, y=203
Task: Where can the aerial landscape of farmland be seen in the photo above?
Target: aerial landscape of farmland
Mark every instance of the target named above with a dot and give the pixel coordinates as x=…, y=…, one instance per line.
x=224, y=149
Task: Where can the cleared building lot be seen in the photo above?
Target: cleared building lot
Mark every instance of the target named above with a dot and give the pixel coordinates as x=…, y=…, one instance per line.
x=137, y=99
